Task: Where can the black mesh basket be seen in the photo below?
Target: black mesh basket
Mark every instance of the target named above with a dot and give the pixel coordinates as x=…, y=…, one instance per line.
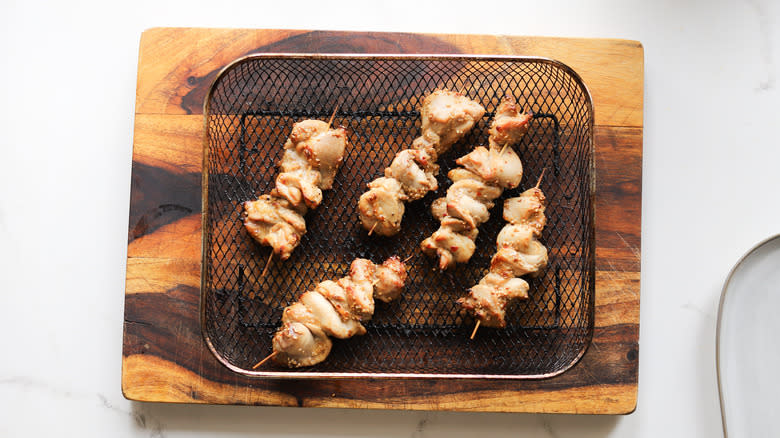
x=250, y=110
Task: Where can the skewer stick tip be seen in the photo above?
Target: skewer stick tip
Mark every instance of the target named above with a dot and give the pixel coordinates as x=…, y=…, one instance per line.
x=475, y=329
x=503, y=149
x=333, y=115
x=267, y=358
x=539, y=181
x=372, y=228
x=267, y=264
x=407, y=259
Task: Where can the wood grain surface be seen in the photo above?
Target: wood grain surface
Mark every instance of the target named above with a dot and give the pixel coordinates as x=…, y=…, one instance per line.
x=164, y=356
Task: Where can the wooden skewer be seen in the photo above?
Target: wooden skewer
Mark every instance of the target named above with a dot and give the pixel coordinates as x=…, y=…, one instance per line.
x=267, y=358
x=503, y=149
x=407, y=259
x=475, y=329
x=372, y=228
x=539, y=181
x=267, y=264
x=333, y=115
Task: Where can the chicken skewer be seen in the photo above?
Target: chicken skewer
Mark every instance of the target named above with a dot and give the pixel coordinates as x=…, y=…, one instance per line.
x=482, y=177
x=312, y=156
x=446, y=117
x=519, y=252
x=334, y=309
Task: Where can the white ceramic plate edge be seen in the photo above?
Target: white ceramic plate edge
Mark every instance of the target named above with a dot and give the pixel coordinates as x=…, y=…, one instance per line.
x=746, y=259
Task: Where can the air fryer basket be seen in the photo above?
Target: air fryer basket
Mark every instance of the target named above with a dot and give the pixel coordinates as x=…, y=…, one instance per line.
x=250, y=110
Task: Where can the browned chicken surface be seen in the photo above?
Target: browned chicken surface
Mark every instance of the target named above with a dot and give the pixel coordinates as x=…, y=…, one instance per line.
x=312, y=156
x=446, y=117
x=519, y=252
x=335, y=309
x=482, y=177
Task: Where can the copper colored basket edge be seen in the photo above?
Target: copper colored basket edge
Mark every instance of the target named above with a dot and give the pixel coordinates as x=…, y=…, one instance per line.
x=347, y=375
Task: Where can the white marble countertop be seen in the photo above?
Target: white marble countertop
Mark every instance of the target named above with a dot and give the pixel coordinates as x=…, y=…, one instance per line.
x=67, y=88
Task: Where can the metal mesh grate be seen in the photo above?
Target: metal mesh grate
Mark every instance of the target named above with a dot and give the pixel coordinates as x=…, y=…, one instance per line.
x=251, y=110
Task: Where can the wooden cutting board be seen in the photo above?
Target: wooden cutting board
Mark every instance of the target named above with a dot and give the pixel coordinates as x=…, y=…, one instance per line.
x=164, y=356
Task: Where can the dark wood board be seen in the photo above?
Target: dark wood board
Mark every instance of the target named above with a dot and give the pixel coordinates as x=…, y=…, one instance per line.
x=164, y=355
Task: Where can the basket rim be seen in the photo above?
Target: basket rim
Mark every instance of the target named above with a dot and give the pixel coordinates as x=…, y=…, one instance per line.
x=292, y=374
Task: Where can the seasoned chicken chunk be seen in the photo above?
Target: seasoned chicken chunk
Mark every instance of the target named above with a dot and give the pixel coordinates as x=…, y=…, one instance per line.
x=487, y=301
x=509, y=125
x=414, y=171
x=449, y=246
x=274, y=222
x=528, y=209
x=494, y=167
x=382, y=208
x=390, y=279
x=300, y=345
x=449, y=116
x=322, y=147
x=328, y=318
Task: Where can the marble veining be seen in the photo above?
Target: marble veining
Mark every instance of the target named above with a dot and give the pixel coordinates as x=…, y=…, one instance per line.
x=142, y=419
x=419, y=428
x=547, y=427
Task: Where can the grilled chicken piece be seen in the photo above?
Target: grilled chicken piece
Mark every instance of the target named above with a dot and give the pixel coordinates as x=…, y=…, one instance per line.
x=415, y=172
x=335, y=309
x=382, y=207
x=389, y=280
x=487, y=301
x=312, y=155
x=509, y=125
x=494, y=167
x=519, y=252
x=322, y=147
x=484, y=175
x=527, y=209
x=273, y=221
x=452, y=247
x=301, y=345
x=446, y=117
